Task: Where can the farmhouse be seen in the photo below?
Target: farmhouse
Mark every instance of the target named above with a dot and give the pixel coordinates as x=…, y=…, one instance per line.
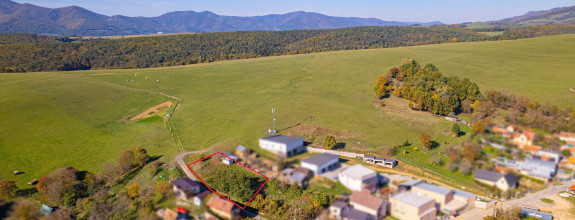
x=441, y=195
x=185, y=188
x=284, y=146
x=359, y=178
x=367, y=203
x=503, y=182
x=321, y=163
x=407, y=205
x=223, y=208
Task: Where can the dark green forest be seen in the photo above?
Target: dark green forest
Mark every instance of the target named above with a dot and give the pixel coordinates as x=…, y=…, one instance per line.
x=34, y=53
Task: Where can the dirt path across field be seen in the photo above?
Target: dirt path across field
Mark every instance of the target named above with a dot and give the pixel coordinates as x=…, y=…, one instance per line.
x=151, y=110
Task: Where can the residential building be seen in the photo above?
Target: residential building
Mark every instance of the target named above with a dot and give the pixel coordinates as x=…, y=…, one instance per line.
x=503, y=182
x=300, y=176
x=543, y=170
x=407, y=205
x=566, y=136
x=359, y=178
x=167, y=214
x=406, y=186
x=460, y=201
x=281, y=145
x=242, y=152
x=199, y=198
x=522, y=138
x=503, y=131
x=440, y=195
x=341, y=210
x=321, y=163
x=369, y=204
x=185, y=188
x=223, y=208
x=548, y=155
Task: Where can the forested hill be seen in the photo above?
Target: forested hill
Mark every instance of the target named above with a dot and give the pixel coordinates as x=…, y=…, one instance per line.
x=32, y=53
x=142, y=52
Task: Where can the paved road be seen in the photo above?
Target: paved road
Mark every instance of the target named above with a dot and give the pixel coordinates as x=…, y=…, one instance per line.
x=533, y=199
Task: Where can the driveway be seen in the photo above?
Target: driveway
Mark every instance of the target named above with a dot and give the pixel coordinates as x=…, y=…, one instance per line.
x=560, y=207
x=333, y=175
x=183, y=166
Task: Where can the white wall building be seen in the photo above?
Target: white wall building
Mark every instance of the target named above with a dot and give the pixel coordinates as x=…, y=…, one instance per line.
x=358, y=178
x=284, y=146
x=319, y=164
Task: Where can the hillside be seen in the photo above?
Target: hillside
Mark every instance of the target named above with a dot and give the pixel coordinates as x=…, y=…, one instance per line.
x=73, y=20
x=556, y=16
x=78, y=114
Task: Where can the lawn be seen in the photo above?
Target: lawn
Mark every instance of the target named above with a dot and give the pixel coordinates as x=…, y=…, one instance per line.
x=52, y=120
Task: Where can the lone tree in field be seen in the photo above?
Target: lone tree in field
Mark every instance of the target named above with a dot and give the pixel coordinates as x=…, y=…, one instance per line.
x=329, y=142
x=425, y=140
x=455, y=129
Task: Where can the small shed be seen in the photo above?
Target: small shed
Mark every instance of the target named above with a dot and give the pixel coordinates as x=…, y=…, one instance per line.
x=242, y=151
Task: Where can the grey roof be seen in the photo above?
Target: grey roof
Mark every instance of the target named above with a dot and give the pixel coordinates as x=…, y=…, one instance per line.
x=185, y=183
x=354, y=214
x=412, y=199
x=369, y=157
x=487, y=175
x=241, y=148
x=536, y=214
x=510, y=179
x=389, y=160
x=287, y=171
x=411, y=183
x=282, y=139
x=320, y=159
x=339, y=204
x=538, y=163
x=462, y=194
x=358, y=172
x=540, y=168
x=433, y=188
x=297, y=177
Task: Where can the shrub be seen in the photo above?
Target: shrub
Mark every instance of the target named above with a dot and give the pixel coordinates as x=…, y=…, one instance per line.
x=329, y=142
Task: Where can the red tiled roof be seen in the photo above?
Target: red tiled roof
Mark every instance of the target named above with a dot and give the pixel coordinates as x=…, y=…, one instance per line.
x=220, y=204
x=567, y=134
x=532, y=148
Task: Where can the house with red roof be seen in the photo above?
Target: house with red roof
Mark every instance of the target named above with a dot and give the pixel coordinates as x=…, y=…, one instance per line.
x=523, y=138
x=223, y=208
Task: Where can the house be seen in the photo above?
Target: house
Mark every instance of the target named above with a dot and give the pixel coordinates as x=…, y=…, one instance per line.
x=363, y=201
x=321, y=163
x=407, y=205
x=242, y=152
x=532, y=149
x=406, y=186
x=284, y=146
x=503, y=182
x=300, y=176
x=199, y=198
x=359, y=178
x=566, y=136
x=223, y=208
x=167, y=214
x=571, y=190
x=543, y=170
x=185, y=188
x=340, y=210
x=548, y=155
x=389, y=163
x=503, y=131
x=229, y=158
x=440, y=195
x=522, y=138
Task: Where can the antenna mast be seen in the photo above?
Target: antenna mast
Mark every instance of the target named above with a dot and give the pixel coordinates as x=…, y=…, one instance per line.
x=273, y=130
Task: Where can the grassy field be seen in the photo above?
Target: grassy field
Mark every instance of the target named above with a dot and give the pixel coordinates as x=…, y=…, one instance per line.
x=52, y=120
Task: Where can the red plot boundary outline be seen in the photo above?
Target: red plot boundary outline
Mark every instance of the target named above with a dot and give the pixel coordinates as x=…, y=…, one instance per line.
x=267, y=178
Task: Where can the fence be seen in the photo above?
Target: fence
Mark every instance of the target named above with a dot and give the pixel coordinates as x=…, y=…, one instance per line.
x=340, y=153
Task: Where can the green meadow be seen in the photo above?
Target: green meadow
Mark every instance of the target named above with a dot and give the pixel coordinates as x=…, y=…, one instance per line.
x=58, y=119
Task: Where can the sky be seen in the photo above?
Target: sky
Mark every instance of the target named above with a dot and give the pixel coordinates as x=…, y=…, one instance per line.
x=447, y=11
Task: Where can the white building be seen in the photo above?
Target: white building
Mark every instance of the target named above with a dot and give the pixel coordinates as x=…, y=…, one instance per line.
x=284, y=146
x=358, y=178
x=321, y=163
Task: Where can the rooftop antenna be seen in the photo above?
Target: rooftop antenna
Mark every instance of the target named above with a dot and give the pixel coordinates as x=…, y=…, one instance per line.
x=273, y=130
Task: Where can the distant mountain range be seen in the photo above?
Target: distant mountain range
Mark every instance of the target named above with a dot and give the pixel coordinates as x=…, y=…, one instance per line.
x=74, y=20
x=556, y=16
